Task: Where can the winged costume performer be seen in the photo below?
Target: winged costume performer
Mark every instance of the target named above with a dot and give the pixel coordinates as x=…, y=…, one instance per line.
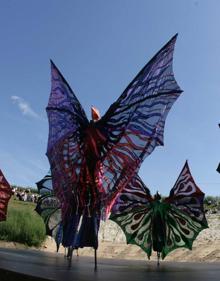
x=92, y=161
x=161, y=225
x=5, y=195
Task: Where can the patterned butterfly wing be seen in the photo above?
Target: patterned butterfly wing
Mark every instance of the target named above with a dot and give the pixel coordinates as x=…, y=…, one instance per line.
x=67, y=120
x=45, y=186
x=48, y=207
x=134, y=196
x=185, y=216
x=132, y=211
x=181, y=230
x=5, y=195
x=134, y=124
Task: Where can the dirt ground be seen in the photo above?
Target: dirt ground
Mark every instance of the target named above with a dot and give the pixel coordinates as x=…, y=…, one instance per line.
x=112, y=244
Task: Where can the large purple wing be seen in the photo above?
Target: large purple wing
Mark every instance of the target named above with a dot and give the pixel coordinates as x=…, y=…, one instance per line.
x=65, y=114
x=67, y=120
x=134, y=124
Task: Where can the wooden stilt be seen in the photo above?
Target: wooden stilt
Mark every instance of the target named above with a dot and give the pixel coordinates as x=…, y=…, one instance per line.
x=158, y=258
x=70, y=253
x=95, y=256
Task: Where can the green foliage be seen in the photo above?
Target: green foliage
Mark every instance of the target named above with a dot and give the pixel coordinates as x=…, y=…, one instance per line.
x=212, y=204
x=23, y=224
x=22, y=188
x=34, y=190
x=212, y=200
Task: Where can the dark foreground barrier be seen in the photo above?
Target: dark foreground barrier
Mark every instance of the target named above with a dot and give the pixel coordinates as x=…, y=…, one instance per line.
x=6, y=275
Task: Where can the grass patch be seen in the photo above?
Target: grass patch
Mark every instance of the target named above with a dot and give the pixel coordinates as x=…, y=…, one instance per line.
x=23, y=224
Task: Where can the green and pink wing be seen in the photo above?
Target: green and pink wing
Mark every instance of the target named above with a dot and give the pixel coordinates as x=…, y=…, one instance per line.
x=185, y=217
x=132, y=211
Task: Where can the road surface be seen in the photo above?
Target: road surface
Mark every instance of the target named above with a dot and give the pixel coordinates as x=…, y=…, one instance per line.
x=52, y=266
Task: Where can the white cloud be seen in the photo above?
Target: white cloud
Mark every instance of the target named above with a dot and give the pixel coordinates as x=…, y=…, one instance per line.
x=24, y=107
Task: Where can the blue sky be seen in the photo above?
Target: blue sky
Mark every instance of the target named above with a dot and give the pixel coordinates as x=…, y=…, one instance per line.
x=100, y=46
